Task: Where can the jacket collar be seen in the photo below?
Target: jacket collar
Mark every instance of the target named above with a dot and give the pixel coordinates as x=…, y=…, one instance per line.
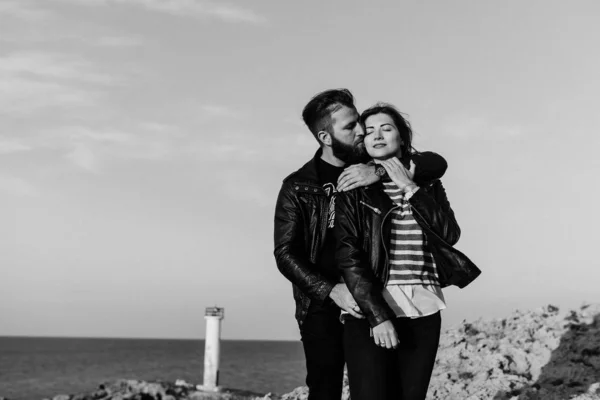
x=306, y=179
x=309, y=173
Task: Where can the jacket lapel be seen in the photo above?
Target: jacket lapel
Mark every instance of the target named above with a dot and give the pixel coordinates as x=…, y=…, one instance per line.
x=383, y=202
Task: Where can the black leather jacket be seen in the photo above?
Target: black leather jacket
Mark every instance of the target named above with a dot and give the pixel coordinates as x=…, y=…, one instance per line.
x=363, y=230
x=301, y=222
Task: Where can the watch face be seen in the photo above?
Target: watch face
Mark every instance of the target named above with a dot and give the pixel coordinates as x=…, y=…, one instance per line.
x=379, y=170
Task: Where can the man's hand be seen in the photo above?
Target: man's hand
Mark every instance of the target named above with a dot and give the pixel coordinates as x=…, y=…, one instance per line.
x=344, y=300
x=385, y=335
x=356, y=176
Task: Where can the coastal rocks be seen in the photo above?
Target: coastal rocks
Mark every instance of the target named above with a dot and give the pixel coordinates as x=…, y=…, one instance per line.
x=301, y=393
x=540, y=354
x=141, y=390
x=533, y=355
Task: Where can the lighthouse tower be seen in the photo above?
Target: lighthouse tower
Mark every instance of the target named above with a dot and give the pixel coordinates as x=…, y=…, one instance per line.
x=212, y=347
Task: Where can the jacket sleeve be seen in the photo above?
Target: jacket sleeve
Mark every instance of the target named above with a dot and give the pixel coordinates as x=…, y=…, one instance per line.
x=432, y=205
x=353, y=261
x=429, y=166
x=290, y=249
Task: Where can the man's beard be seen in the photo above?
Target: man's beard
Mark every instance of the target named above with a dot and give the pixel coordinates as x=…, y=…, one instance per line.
x=348, y=153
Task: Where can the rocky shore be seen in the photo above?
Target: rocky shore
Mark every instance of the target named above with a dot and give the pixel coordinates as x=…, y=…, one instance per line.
x=128, y=389
x=543, y=354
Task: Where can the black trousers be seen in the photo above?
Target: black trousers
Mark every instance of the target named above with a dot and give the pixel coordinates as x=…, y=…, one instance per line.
x=322, y=339
x=377, y=373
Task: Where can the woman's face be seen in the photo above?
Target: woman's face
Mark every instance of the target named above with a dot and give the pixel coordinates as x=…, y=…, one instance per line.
x=382, y=139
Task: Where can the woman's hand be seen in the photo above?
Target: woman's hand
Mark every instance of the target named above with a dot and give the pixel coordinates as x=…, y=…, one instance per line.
x=385, y=335
x=398, y=174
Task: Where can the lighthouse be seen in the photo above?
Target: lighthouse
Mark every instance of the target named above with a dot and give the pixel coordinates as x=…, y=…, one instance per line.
x=212, y=347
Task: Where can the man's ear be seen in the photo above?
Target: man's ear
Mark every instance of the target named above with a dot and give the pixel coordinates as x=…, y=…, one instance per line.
x=324, y=137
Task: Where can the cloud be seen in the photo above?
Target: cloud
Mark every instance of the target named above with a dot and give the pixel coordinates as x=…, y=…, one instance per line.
x=23, y=10
x=204, y=114
x=52, y=66
x=84, y=157
x=16, y=186
x=244, y=146
x=12, y=146
x=77, y=133
x=19, y=96
x=32, y=81
x=231, y=13
x=91, y=148
x=471, y=127
x=187, y=8
x=211, y=110
x=254, y=161
x=119, y=41
x=243, y=186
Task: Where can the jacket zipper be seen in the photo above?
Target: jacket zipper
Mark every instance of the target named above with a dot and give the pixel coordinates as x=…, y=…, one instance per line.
x=387, y=260
x=377, y=210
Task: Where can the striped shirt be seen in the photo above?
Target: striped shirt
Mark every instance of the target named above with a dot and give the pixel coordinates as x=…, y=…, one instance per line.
x=413, y=288
x=410, y=261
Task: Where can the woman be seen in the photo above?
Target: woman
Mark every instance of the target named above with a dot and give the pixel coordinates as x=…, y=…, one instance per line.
x=395, y=252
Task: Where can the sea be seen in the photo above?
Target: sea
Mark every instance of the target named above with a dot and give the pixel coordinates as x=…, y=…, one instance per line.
x=37, y=368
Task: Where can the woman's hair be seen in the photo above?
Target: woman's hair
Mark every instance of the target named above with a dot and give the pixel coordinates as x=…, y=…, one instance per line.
x=401, y=123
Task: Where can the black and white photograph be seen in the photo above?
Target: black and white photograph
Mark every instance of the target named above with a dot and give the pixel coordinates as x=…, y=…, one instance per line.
x=309, y=200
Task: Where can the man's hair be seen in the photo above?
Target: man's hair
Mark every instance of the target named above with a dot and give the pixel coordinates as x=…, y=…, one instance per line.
x=317, y=113
x=401, y=123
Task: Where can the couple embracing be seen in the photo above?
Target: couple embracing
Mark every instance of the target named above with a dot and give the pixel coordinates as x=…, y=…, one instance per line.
x=365, y=233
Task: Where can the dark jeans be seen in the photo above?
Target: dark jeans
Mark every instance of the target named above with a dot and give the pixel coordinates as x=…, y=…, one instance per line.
x=322, y=338
x=376, y=373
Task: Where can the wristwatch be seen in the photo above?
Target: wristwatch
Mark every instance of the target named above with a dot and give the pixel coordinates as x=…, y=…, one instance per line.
x=380, y=170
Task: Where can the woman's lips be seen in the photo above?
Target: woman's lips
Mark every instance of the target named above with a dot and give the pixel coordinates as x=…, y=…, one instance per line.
x=378, y=146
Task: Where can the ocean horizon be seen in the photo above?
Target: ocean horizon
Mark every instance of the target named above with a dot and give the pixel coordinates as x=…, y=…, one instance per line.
x=33, y=367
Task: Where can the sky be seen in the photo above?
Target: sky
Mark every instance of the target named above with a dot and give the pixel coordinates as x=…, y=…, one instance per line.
x=143, y=144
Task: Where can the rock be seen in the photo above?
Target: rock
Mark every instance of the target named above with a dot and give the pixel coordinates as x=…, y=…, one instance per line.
x=531, y=355
x=594, y=388
x=300, y=393
x=179, y=390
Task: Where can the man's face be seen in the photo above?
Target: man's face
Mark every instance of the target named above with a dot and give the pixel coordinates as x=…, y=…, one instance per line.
x=347, y=137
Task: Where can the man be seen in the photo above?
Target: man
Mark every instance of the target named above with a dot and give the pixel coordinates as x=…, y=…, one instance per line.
x=304, y=243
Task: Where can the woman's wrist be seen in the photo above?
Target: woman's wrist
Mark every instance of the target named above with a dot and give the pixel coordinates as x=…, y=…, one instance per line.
x=408, y=187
